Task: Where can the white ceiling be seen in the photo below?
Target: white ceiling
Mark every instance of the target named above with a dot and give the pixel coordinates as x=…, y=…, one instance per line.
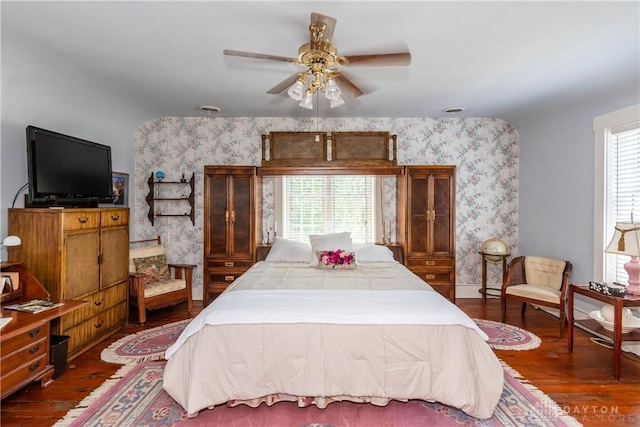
x=496, y=59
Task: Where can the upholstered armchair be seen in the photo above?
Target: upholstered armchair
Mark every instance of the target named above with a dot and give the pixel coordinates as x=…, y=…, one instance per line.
x=538, y=281
x=154, y=283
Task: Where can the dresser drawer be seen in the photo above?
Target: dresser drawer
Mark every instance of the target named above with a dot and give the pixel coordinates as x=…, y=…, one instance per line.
x=96, y=328
x=112, y=218
x=225, y=276
x=28, y=369
x=430, y=262
x=23, y=355
x=26, y=339
x=80, y=220
x=98, y=303
x=435, y=276
x=229, y=263
x=23, y=349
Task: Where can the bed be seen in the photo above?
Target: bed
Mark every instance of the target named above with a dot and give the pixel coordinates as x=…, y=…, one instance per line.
x=367, y=330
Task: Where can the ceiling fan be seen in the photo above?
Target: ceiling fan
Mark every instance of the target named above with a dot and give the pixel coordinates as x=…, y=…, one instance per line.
x=322, y=64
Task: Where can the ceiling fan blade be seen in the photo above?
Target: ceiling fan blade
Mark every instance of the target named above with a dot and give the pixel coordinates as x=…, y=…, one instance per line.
x=257, y=55
x=401, y=59
x=283, y=85
x=329, y=22
x=348, y=87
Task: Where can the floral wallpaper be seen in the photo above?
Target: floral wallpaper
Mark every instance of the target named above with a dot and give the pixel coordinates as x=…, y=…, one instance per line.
x=485, y=151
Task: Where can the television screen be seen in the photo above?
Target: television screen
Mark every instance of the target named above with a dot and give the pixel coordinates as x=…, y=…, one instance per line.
x=65, y=170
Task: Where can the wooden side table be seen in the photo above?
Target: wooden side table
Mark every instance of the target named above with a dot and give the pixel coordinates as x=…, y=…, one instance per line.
x=617, y=336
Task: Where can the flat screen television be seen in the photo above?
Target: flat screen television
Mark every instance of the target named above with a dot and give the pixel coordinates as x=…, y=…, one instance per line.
x=67, y=171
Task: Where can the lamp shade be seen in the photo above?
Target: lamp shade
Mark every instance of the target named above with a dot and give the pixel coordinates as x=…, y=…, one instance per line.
x=625, y=240
x=11, y=241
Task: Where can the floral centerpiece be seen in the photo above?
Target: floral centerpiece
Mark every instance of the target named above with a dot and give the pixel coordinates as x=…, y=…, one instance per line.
x=336, y=259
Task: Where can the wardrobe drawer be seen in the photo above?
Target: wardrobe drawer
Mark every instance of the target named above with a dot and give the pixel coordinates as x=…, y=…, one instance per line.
x=229, y=263
x=97, y=327
x=430, y=262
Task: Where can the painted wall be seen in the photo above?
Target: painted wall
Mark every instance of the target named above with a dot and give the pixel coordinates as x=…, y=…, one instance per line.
x=485, y=152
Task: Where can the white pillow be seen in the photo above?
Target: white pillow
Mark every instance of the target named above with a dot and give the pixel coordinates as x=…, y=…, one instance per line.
x=373, y=253
x=283, y=250
x=329, y=242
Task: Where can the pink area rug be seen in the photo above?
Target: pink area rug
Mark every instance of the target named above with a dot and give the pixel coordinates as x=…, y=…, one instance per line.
x=507, y=337
x=134, y=397
x=151, y=344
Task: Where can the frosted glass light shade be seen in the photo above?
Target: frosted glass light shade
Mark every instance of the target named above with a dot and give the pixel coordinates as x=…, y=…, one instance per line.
x=307, y=101
x=331, y=90
x=336, y=102
x=296, y=91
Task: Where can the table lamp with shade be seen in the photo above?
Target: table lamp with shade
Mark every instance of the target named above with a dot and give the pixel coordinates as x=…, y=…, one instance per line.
x=626, y=241
x=10, y=241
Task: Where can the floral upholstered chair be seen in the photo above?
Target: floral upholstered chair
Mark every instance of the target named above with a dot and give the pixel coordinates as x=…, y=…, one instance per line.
x=538, y=281
x=154, y=283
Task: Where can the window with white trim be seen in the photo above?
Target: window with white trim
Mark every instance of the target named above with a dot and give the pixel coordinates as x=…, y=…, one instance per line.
x=622, y=190
x=328, y=204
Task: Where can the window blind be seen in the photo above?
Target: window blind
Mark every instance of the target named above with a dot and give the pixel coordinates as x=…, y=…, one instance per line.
x=623, y=190
x=328, y=204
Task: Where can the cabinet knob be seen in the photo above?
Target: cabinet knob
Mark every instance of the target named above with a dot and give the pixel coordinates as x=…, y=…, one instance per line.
x=228, y=264
x=115, y=217
x=34, y=366
x=429, y=276
x=34, y=349
x=34, y=332
x=430, y=263
x=229, y=278
x=99, y=303
x=83, y=219
x=99, y=325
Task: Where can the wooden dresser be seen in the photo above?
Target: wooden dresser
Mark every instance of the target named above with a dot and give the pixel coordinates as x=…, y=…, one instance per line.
x=25, y=340
x=229, y=223
x=430, y=226
x=79, y=254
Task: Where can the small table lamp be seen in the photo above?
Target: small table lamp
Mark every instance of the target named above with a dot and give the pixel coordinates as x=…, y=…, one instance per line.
x=626, y=241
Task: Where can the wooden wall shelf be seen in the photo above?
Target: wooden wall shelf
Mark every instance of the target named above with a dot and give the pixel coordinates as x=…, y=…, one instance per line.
x=172, y=202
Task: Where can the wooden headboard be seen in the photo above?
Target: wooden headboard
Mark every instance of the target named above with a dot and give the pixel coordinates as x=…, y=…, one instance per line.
x=312, y=149
x=263, y=250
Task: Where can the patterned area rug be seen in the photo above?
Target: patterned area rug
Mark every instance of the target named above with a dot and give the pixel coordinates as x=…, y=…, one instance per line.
x=507, y=337
x=151, y=344
x=134, y=397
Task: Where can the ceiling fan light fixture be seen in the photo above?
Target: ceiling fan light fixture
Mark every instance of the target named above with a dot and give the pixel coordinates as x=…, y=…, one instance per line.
x=307, y=101
x=296, y=91
x=336, y=102
x=332, y=90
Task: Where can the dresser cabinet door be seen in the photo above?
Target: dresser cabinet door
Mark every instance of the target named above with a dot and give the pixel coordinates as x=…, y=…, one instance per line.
x=82, y=269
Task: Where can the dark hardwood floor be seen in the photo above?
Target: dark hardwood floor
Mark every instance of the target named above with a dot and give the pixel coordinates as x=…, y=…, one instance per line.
x=582, y=382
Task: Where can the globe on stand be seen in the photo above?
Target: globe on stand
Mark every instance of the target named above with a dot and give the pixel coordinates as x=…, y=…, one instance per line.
x=159, y=175
x=494, y=250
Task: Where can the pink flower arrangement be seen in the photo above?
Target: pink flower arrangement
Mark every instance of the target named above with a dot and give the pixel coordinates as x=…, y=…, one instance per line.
x=338, y=257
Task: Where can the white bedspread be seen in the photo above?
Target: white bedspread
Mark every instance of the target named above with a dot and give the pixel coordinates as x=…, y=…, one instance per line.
x=348, y=307
x=374, y=333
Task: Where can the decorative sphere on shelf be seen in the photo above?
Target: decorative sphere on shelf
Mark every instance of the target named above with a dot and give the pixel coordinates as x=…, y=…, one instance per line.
x=159, y=175
x=494, y=250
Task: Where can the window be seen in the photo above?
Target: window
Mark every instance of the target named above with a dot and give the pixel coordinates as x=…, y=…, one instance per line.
x=623, y=189
x=617, y=185
x=328, y=204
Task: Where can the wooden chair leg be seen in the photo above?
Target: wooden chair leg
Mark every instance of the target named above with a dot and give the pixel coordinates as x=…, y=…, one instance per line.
x=563, y=319
x=142, y=314
x=524, y=309
x=504, y=309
